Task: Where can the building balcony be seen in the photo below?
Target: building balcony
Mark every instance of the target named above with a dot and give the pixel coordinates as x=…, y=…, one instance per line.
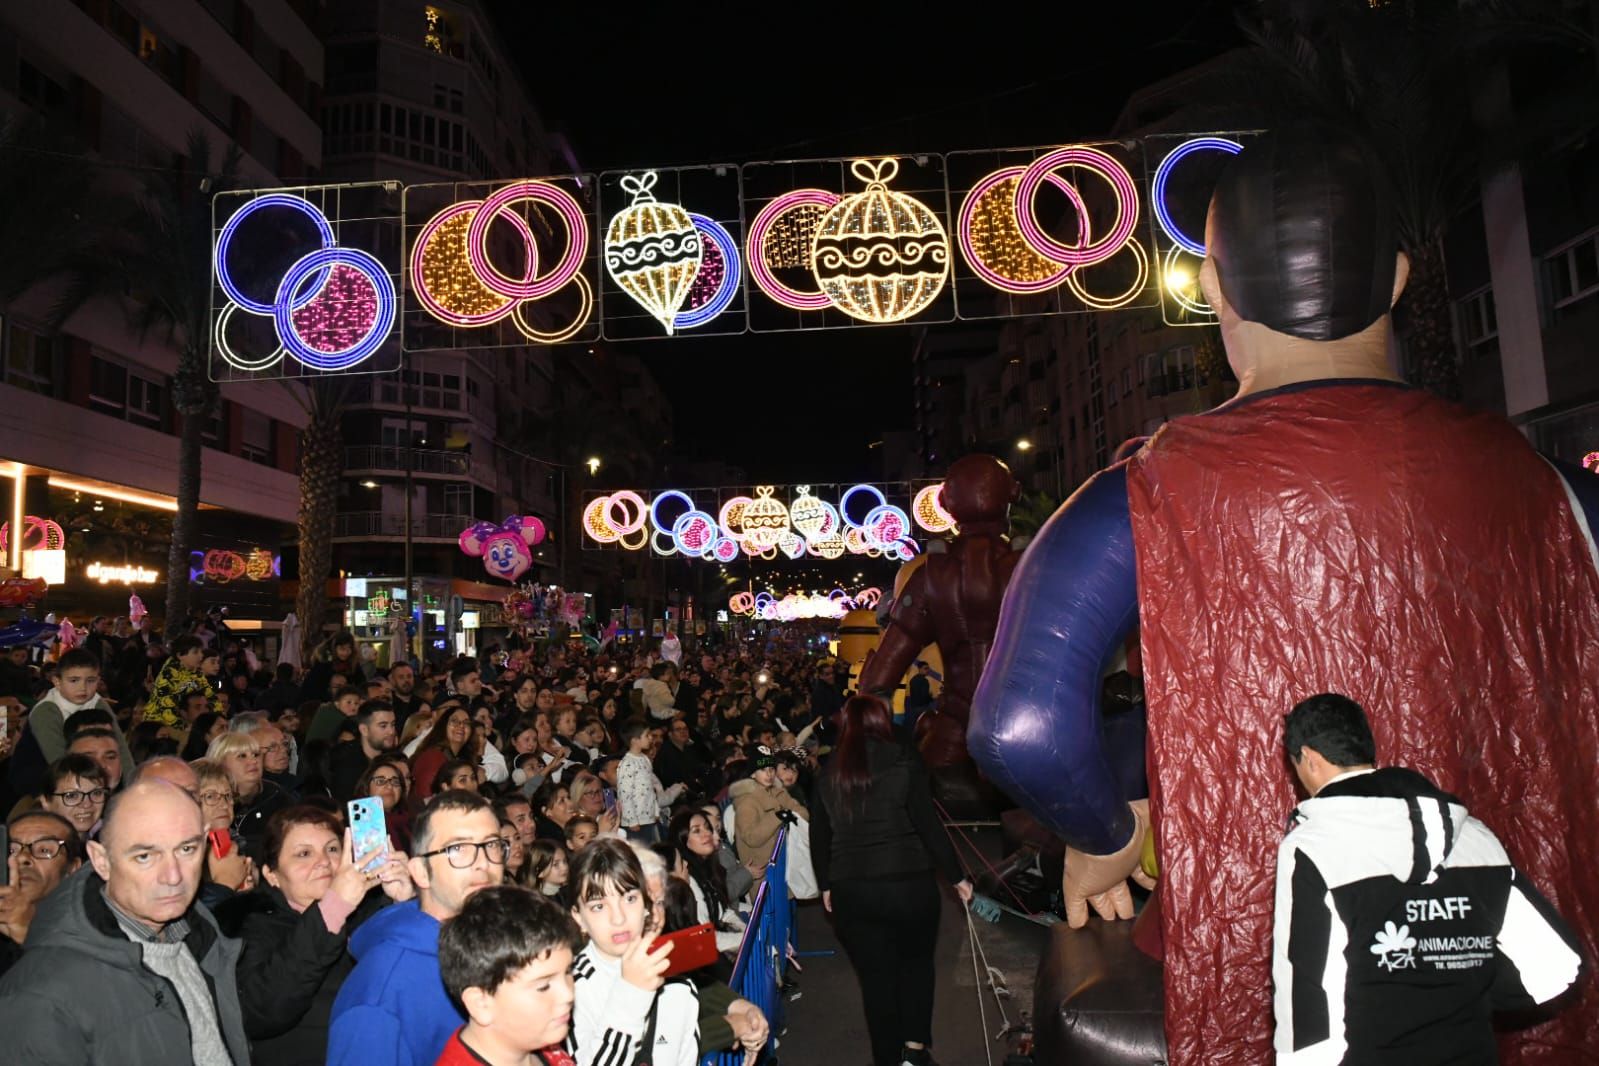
x=391, y=458
x=383, y=525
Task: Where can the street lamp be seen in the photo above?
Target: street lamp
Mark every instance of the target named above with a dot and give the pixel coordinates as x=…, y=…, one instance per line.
x=593, y=463
x=1023, y=445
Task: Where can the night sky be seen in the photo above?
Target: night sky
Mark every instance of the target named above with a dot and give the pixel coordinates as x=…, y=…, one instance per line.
x=635, y=86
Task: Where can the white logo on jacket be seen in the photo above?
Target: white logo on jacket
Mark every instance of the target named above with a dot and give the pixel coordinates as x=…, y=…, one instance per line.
x=1395, y=948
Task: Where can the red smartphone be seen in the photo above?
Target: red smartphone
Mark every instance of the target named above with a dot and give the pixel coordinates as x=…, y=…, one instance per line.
x=692, y=949
x=221, y=842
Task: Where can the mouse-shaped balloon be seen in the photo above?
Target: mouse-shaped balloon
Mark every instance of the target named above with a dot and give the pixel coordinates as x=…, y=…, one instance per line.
x=504, y=548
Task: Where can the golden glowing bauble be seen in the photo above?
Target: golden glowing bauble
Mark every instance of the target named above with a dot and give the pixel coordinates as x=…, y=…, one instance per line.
x=808, y=514
x=765, y=519
x=996, y=237
x=880, y=256
x=653, y=251
x=828, y=547
x=258, y=567
x=448, y=276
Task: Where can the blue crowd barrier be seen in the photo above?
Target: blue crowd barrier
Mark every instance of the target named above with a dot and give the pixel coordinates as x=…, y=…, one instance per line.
x=763, y=953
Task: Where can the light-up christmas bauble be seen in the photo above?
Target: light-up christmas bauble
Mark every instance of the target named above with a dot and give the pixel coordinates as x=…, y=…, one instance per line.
x=879, y=255
x=765, y=519
x=808, y=514
x=653, y=251
x=830, y=546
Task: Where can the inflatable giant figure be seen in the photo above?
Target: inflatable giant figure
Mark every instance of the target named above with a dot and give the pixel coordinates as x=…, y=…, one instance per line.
x=1328, y=530
x=953, y=601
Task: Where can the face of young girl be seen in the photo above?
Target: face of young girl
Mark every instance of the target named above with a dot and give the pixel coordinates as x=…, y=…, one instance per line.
x=614, y=920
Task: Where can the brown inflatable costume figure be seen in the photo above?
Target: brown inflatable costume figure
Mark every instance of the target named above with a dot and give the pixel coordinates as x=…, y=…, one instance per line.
x=953, y=601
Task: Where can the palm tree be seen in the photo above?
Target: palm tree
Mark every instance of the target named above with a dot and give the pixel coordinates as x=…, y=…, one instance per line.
x=156, y=259
x=321, y=463
x=1397, y=76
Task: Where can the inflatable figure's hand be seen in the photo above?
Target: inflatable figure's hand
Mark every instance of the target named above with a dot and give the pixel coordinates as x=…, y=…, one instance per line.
x=1100, y=881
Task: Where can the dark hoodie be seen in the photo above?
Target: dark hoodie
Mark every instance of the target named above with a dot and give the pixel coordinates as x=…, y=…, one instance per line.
x=1401, y=926
x=81, y=996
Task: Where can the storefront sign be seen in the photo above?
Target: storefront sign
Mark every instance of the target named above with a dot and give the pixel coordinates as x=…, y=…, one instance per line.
x=46, y=564
x=121, y=573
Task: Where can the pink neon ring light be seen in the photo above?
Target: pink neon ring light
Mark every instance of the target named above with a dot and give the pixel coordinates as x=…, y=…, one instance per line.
x=994, y=277
x=530, y=288
x=431, y=302
x=1089, y=159
x=764, y=279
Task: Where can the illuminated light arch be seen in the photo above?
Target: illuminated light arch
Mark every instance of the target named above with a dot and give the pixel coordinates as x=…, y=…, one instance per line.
x=643, y=536
x=232, y=357
x=717, y=242
x=530, y=287
x=724, y=550
x=885, y=525
x=225, y=239
x=1157, y=192
x=654, y=540
x=694, y=532
x=1110, y=303
x=731, y=517
x=595, y=524
x=759, y=266
x=1094, y=161
x=378, y=329
x=44, y=534
x=1169, y=269
x=988, y=217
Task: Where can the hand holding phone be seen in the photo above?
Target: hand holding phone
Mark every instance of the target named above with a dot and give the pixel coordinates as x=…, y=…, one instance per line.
x=221, y=842
x=692, y=948
x=369, y=832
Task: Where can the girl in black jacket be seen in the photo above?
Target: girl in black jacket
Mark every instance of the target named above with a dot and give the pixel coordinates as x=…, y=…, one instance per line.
x=295, y=928
x=875, y=841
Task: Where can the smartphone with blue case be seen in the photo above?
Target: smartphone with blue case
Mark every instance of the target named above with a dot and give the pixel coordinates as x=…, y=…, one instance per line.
x=369, y=830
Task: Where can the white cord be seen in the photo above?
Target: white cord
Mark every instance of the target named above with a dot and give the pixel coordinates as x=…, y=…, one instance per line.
x=982, y=1013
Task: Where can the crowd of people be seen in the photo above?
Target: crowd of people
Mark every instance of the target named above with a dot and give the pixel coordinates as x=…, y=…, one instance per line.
x=179, y=842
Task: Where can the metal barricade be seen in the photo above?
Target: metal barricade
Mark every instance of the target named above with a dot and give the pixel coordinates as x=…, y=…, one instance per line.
x=763, y=953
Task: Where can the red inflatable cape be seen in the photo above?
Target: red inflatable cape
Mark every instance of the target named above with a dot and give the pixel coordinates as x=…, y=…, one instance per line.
x=1378, y=542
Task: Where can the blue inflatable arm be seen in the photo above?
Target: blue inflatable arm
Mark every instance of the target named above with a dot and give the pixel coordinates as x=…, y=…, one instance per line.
x=1036, y=729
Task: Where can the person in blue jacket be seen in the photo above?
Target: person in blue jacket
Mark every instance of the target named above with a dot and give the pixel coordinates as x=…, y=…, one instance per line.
x=393, y=1007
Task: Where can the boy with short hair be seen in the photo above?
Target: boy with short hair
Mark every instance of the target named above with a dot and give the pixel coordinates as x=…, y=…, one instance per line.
x=76, y=689
x=506, y=961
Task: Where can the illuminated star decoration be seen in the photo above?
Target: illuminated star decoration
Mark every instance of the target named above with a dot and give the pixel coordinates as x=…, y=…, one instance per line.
x=332, y=309
x=653, y=250
x=880, y=256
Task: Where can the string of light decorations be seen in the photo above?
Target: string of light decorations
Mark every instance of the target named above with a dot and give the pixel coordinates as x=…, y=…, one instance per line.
x=763, y=526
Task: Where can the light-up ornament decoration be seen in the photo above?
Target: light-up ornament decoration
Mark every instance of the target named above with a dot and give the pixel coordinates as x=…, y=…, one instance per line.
x=1127, y=296
x=928, y=510
x=716, y=283
x=880, y=256
x=791, y=544
x=655, y=508
x=455, y=281
x=992, y=241
x=332, y=309
x=885, y=527
x=694, y=532
x=765, y=519
x=850, y=493
x=742, y=603
x=612, y=519
x=1157, y=192
x=830, y=546
x=807, y=514
x=731, y=518
x=653, y=250
x=38, y=534
x=781, y=237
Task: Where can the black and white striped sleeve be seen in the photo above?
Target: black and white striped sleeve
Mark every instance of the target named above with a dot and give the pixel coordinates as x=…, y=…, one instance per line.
x=1307, y=962
x=1536, y=957
x=607, y=1022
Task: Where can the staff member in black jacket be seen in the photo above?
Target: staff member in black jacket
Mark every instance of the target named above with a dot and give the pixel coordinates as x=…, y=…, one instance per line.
x=875, y=841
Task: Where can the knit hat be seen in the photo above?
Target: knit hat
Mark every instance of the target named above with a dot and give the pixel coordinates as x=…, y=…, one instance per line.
x=763, y=758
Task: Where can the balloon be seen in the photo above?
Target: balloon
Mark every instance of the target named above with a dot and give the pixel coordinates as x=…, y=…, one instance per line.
x=22, y=591
x=136, y=609
x=26, y=631
x=67, y=633
x=504, y=547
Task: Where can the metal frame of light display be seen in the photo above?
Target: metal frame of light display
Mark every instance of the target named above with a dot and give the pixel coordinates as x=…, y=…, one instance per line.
x=769, y=522
x=718, y=249
x=304, y=282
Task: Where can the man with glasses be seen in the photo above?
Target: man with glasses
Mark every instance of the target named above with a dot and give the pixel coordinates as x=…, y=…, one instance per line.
x=43, y=848
x=393, y=1008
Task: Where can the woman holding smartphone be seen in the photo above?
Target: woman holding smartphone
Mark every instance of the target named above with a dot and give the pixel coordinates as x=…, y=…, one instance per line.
x=875, y=842
x=295, y=929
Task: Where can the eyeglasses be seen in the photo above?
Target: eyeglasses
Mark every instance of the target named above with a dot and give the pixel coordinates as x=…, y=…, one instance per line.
x=74, y=797
x=463, y=855
x=45, y=848
x=388, y=782
x=215, y=799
